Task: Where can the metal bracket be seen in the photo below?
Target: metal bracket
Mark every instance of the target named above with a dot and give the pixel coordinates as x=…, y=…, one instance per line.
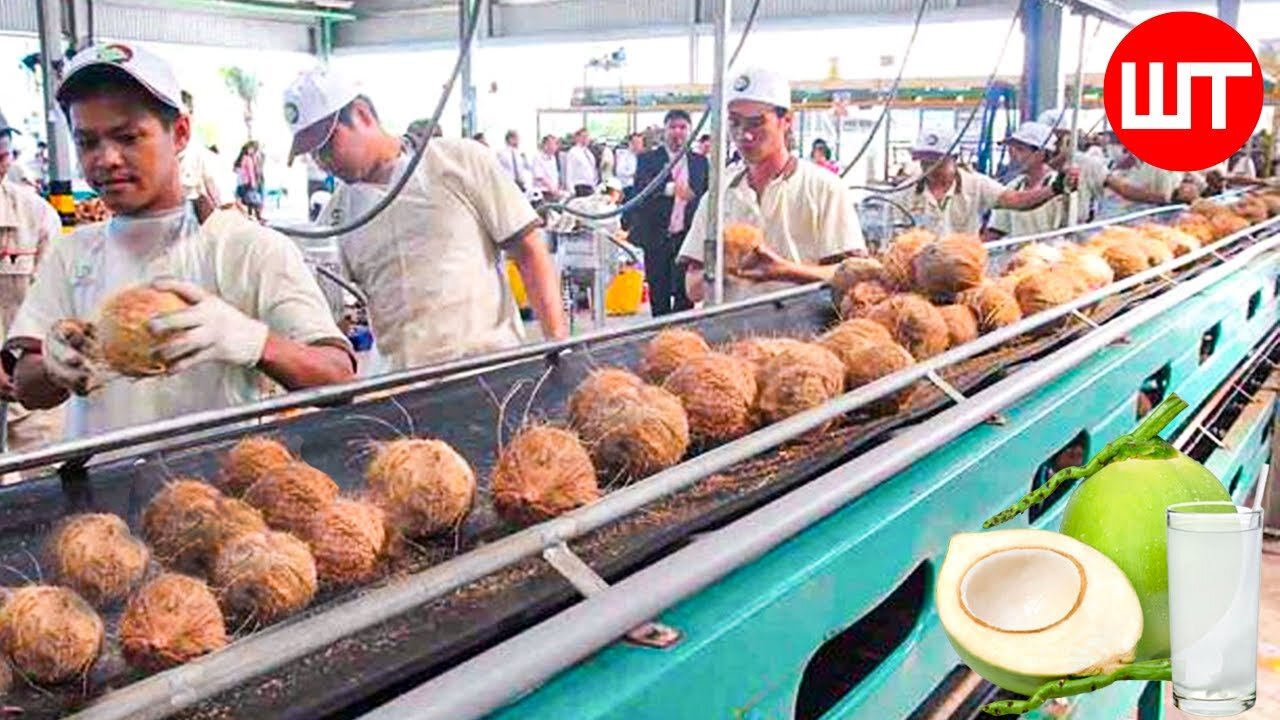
x=1085, y=319
x=1169, y=279
x=586, y=581
x=1219, y=255
x=1240, y=389
x=1222, y=445
x=958, y=397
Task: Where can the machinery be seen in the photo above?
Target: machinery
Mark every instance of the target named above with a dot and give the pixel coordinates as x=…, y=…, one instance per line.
x=787, y=574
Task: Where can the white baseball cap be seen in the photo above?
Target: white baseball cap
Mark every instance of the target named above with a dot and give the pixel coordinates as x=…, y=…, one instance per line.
x=1036, y=135
x=760, y=85
x=311, y=106
x=937, y=141
x=1057, y=118
x=147, y=69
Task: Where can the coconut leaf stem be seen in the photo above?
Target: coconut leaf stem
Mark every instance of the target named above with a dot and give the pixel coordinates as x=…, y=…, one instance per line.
x=1146, y=432
x=1150, y=670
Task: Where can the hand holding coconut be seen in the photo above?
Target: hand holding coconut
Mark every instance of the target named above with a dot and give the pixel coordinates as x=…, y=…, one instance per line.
x=211, y=330
x=68, y=347
x=767, y=265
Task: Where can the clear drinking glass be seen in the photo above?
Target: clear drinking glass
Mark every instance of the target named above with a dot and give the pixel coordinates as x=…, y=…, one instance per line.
x=1215, y=558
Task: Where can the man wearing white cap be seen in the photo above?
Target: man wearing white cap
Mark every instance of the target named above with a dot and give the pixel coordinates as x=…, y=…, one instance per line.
x=255, y=309
x=431, y=262
x=1030, y=148
x=805, y=213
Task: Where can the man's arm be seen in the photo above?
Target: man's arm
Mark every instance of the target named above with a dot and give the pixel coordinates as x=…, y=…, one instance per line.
x=541, y=282
x=1134, y=192
x=297, y=366
x=1025, y=199
x=694, y=284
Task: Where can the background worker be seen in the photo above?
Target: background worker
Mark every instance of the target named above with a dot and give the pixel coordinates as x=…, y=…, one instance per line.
x=581, y=169
x=255, y=307
x=1030, y=147
x=805, y=212
x=431, y=262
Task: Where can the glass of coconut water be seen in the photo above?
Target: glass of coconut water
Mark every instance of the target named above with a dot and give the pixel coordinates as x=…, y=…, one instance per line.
x=1215, y=557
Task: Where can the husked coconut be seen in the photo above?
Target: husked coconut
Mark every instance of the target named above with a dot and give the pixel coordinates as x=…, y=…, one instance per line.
x=854, y=270
x=759, y=350
x=1094, y=268
x=1112, y=235
x=543, y=473
x=50, y=634
x=741, y=240
x=1208, y=208
x=173, y=619
x=1179, y=242
x=1157, y=252
x=602, y=386
x=347, y=540
x=900, y=257
x=962, y=324
x=424, y=486
x=96, y=555
x=993, y=306
x=1197, y=226
x=951, y=265
x=635, y=434
x=1126, y=259
x=264, y=576
x=861, y=298
x=1227, y=223
x=188, y=520
x=872, y=362
x=288, y=496
x=1272, y=201
x=799, y=378
x=914, y=323
x=1251, y=209
x=127, y=344
x=1079, y=281
x=1034, y=256
x=719, y=394
x=248, y=461
x=669, y=350
x=1043, y=291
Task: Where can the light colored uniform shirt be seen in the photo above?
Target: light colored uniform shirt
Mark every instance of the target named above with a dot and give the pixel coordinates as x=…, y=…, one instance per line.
x=255, y=269
x=431, y=263
x=516, y=166
x=1092, y=186
x=580, y=168
x=1146, y=176
x=27, y=225
x=546, y=173
x=1018, y=223
x=960, y=210
x=198, y=169
x=806, y=214
x=625, y=167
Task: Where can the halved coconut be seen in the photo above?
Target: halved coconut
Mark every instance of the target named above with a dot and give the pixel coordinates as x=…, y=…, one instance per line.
x=1023, y=607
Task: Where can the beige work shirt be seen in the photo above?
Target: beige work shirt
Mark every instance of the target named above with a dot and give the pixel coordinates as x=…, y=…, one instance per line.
x=806, y=214
x=1018, y=223
x=27, y=225
x=1146, y=176
x=431, y=263
x=960, y=210
x=255, y=269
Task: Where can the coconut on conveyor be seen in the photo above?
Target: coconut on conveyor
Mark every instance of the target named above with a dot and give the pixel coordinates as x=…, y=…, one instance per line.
x=962, y=324
x=951, y=265
x=173, y=619
x=424, y=486
x=852, y=271
x=290, y=495
x=719, y=394
x=188, y=521
x=96, y=555
x=899, y=258
x=250, y=460
x=914, y=323
x=632, y=429
x=50, y=634
x=264, y=576
x=669, y=350
x=347, y=539
x=543, y=472
x=993, y=306
x=873, y=362
x=799, y=378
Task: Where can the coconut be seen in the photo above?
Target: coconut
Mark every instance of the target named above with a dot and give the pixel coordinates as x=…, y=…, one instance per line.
x=1044, y=291
x=50, y=634
x=852, y=335
x=872, y=362
x=1024, y=607
x=962, y=324
x=799, y=378
x=1208, y=208
x=97, y=556
x=636, y=432
x=543, y=473
x=601, y=386
x=993, y=306
x=759, y=350
x=951, y=265
x=1126, y=259
x=669, y=350
x=248, y=461
x=915, y=323
x=1272, y=201
x=1227, y=223
x=1077, y=278
x=1009, y=282
x=1251, y=209
x=852, y=271
x=1197, y=226
x=347, y=540
x=171, y=620
x=1157, y=252
x=424, y=486
x=1112, y=235
x=188, y=520
x=1094, y=268
x=719, y=394
x=1034, y=256
x=900, y=257
x=264, y=576
x=741, y=240
x=288, y=496
x=127, y=345
x=861, y=298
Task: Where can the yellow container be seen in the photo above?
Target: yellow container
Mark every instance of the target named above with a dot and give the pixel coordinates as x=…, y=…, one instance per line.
x=517, y=285
x=625, y=293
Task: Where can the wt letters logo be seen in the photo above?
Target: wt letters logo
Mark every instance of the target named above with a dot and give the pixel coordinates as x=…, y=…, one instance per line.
x=1205, y=70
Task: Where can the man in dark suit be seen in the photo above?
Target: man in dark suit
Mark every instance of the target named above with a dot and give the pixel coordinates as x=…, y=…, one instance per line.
x=660, y=224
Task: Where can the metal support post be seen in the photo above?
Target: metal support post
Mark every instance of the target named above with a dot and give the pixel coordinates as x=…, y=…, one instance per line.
x=1229, y=12
x=714, y=246
x=77, y=20
x=694, y=18
x=49, y=15
x=1042, y=28
x=1073, y=200
x=468, y=90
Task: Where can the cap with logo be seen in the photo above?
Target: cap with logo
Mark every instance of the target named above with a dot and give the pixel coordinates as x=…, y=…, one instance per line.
x=1034, y=135
x=935, y=142
x=147, y=69
x=311, y=105
x=762, y=86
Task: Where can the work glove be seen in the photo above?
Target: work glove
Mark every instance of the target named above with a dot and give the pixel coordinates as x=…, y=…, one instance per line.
x=211, y=330
x=65, y=357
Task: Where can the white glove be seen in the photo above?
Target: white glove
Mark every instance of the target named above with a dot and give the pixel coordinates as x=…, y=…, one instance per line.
x=211, y=330
x=63, y=361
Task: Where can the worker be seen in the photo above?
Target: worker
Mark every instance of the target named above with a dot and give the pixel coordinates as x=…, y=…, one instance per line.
x=1133, y=185
x=805, y=213
x=950, y=199
x=431, y=262
x=205, y=179
x=1030, y=148
x=255, y=308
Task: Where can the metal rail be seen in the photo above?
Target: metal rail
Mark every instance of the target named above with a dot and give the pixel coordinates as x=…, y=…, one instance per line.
x=157, y=696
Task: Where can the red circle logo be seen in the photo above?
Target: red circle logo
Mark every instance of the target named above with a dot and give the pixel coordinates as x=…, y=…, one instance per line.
x=1183, y=91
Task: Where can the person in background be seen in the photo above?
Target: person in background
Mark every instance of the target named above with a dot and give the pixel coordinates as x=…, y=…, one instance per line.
x=432, y=262
x=605, y=159
x=804, y=212
x=38, y=166
x=820, y=154
x=249, y=179
x=514, y=163
x=1030, y=147
x=581, y=175
x=627, y=156
x=201, y=179
x=1133, y=185
x=703, y=147
x=480, y=138
x=660, y=224
x=1242, y=164
x=545, y=169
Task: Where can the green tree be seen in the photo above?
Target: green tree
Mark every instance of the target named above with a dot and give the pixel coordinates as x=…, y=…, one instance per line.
x=245, y=86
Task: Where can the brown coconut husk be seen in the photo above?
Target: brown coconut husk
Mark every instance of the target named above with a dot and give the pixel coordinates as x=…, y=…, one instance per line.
x=636, y=434
x=993, y=307
x=758, y=351
x=852, y=271
x=127, y=345
x=956, y=263
x=601, y=386
x=1208, y=208
x=861, y=298
x=1044, y=291
x=1178, y=241
x=173, y=619
x=264, y=576
x=250, y=460
x=900, y=257
x=741, y=240
x=1093, y=267
x=914, y=323
x=852, y=335
x=543, y=473
x=1080, y=282
x=1251, y=209
x=347, y=540
x=1157, y=252
x=1227, y=223
x=1126, y=259
x=424, y=486
x=96, y=555
x=1034, y=256
x=50, y=634
x=188, y=520
x=799, y=378
x=1112, y=235
x=718, y=393
x=670, y=349
x=1197, y=226
x=1272, y=201
x=872, y=362
x=962, y=324
x=289, y=495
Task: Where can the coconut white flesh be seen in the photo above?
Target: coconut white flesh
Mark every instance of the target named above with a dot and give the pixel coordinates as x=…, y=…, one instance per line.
x=1023, y=607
